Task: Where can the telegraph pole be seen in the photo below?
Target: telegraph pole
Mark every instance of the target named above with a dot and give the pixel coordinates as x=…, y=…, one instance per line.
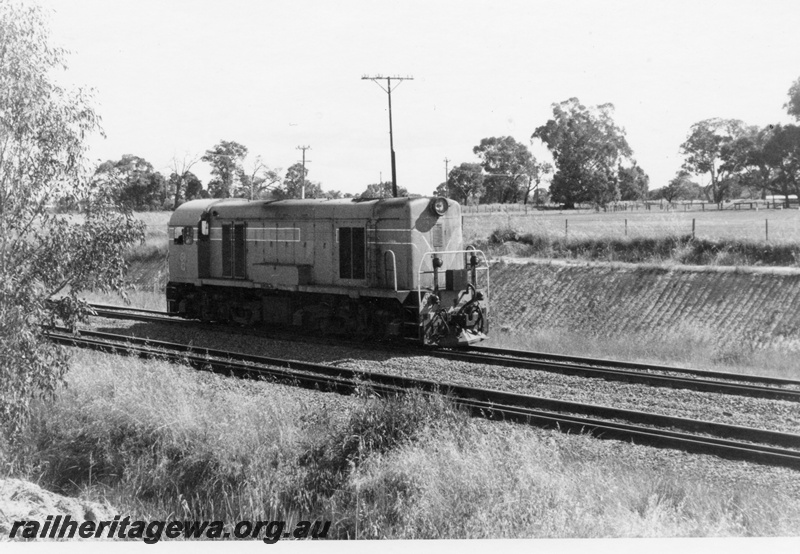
x=303, y=185
x=446, y=186
x=388, y=90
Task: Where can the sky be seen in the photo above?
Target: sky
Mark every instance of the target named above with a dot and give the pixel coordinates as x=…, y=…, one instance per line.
x=173, y=78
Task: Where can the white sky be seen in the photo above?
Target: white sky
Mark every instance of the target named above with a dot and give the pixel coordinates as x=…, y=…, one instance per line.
x=176, y=77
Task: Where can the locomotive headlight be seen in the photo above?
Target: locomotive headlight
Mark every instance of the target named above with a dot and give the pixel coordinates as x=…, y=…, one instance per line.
x=439, y=205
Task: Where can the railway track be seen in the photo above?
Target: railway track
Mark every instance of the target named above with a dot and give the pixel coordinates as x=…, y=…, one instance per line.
x=648, y=374
x=728, y=441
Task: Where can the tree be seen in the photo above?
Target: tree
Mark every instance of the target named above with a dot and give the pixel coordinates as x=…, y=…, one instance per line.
x=506, y=163
x=633, y=182
x=293, y=185
x=181, y=168
x=257, y=181
x=192, y=186
x=134, y=182
x=588, y=147
x=745, y=158
x=782, y=154
x=793, y=105
x=708, y=150
x=47, y=260
x=226, y=160
x=536, y=172
x=382, y=190
x=678, y=188
x=465, y=182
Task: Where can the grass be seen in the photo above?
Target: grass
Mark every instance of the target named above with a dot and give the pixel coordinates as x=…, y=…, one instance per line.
x=673, y=249
x=682, y=346
x=158, y=440
x=748, y=226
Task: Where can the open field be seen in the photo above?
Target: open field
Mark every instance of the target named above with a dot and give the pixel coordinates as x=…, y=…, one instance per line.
x=154, y=439
x=784, y=225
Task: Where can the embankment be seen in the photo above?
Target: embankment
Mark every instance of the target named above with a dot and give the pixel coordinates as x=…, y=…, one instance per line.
x=759, y=307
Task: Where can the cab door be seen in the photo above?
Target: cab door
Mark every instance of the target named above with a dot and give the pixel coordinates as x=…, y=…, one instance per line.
x=351, y=252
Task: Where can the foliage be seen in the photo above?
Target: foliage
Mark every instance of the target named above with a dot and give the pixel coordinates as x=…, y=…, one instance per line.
x=226, y=159
x=678, y=249
x=746, y=156
x=294, y=182
x=382, y=190
x=711, y=148
x=680, y=187
x=781, y=153
x=189, y=183
x=374, y=427
x=793, y=105
x=133, y=182
x=633, y=183
x=464, y=182
x=588, y=148
x=181, y=179
x=46, y=259
x=257, y=181
x=506, y=164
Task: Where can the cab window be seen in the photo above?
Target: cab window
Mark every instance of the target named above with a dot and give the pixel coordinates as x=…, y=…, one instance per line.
x=183, y=235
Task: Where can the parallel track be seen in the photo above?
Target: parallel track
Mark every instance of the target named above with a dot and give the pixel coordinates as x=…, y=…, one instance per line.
x=735, y=442
x=648, y=374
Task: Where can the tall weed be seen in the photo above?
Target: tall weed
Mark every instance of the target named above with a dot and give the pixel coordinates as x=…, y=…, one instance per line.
x=681, y=249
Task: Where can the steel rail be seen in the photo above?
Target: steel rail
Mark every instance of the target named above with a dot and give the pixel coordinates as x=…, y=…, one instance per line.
x=486, y=402
x=612, y=370
x=629, y=376
x=619, y=364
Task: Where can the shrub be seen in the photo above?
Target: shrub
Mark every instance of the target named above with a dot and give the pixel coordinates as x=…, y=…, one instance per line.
x=677, y=248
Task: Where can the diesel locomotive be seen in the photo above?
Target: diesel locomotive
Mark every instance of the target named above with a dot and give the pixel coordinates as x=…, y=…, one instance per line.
x=394, y=267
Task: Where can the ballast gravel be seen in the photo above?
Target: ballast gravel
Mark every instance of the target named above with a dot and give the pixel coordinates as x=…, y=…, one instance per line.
x=773, y=415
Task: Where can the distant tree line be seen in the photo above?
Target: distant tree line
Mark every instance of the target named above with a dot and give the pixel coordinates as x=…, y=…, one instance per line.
x=592, y=163
x=133, y=182
x=739, y=160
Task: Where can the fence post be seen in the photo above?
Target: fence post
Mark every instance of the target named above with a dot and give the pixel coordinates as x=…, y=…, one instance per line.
x=626, y=227
x=566, y=228
x=766, y=229
x=692, y=228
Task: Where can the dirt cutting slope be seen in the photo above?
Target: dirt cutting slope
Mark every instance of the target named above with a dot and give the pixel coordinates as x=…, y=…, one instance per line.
x=761, y=307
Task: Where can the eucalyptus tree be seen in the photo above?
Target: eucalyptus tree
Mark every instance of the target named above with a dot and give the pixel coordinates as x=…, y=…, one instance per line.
x=710, y=149
x=588, y=148
x=507, y=165
x=466, y=181
x=47, y=259
x=226, y=159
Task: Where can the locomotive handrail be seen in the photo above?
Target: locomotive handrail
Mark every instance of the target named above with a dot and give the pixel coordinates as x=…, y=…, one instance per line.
x=394, y=267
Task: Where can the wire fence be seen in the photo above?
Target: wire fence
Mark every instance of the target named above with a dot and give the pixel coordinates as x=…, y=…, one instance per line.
x=655, y=205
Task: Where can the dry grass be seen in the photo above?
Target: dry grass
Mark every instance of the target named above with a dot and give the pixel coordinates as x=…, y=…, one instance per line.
x=784, y=225
x=157, y=440
x=684, y=346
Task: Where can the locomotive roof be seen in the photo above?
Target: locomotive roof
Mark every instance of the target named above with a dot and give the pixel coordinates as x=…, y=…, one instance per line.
x=237, y=208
